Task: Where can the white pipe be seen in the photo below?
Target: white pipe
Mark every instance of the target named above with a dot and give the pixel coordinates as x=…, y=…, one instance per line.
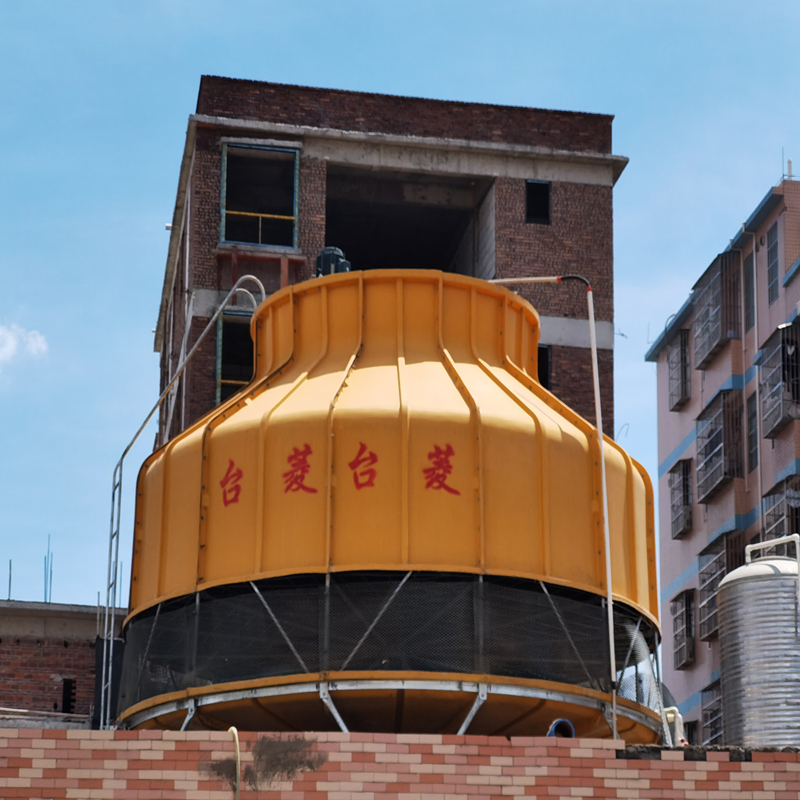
x=606, y=531
x=792, y=537
x=238, y=758
x=674, y=715
x=548, y=279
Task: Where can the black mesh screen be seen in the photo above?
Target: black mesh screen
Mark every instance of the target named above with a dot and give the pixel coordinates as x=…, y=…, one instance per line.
x=372, y=621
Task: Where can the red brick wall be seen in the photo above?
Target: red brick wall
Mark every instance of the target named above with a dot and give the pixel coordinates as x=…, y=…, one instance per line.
x=412, y=116
x=572, y=382
x=311, y=212
x=152, y=765
x=578, y=240
x=32, y=670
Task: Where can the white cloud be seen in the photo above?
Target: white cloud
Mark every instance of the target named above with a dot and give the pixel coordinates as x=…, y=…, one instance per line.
x=16, y=341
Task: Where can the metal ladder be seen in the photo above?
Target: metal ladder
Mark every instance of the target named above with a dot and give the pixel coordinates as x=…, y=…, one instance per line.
x=109, y=625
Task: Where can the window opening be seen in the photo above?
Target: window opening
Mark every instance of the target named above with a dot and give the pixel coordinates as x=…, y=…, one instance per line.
x=773, y=288
x=683, y=630
x=537, y=202
x=779, y=374
x=749, y=293
x=679, y=371
x=781, y=516
x=544, y=366
x=680, y=493
x=719, y=444
x=690, y=732
x=711, y=704
x=234, y=354
x=717, y=314
x=259, y=195
x=752, y=432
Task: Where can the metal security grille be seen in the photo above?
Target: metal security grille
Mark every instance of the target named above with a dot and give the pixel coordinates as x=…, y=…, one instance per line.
x=680, y=495
x=387, y=621
x=679, y=371
x=781, y=516
x=752, y=432
x=717, y=316
x=719, y=444
x=711, y=704
x=712, y=571
x=780, y=380
x=773, y=288
x=682, y=608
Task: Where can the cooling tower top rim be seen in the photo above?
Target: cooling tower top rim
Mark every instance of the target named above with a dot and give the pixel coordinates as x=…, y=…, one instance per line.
x=763, y=569
x=392, y=275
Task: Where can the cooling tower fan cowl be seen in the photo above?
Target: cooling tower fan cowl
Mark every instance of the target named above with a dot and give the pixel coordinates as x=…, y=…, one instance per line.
x=394, y=527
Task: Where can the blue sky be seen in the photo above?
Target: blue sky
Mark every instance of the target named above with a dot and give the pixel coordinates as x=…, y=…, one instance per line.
x=94, y=99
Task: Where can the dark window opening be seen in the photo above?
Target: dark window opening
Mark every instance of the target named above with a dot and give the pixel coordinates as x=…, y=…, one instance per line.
x=68, y=695
x=749, y=294
x=690, y=732
x=544, y=365
x=752, y=432
x=393, y=220
x=234, y=355
x=258, y=197
x=537, y=202
x=773, y=288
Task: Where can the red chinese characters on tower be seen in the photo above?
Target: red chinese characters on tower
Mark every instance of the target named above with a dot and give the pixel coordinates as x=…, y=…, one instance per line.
x=436, y=475
x=362, y=465
x=231, y=488
x=295, y=479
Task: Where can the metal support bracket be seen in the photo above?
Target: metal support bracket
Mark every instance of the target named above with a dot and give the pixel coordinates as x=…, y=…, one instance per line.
x=479, y=701
x=192, y=710
x=326, y=698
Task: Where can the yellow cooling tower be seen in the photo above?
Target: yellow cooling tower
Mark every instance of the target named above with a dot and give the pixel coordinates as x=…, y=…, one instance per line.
x=394, y=527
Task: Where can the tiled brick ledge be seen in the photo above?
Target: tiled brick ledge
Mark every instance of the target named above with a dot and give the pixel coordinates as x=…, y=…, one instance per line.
x=155, y=765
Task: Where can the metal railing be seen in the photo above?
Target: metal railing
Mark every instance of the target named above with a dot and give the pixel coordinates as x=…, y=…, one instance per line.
x=116, y=509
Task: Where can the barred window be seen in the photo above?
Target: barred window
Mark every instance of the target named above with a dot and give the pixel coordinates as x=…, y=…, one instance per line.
x=680, y=495
x=683, y=630
x=752, y=432
x=717, y=316
x=779, y=373
x=679, y=370
x=711, y=704
x=782, y=515
x=749, y=293
x=719, y=444
x=772, y=264
x=712, y=571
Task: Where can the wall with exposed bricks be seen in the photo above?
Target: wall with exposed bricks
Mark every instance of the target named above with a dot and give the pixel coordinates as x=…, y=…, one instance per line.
x=403, y=116
x=155, y=765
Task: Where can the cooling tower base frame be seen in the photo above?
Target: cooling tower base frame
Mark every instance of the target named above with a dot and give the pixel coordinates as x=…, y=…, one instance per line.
x=217, y=708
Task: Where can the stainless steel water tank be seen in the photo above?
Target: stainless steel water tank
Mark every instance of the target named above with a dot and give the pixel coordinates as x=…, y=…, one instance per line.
x=760, y=654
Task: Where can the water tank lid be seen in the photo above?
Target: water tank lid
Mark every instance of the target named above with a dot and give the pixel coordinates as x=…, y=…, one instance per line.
x=762, y=569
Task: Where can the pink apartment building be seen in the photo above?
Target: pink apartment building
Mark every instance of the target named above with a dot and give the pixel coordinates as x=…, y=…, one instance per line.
x=728, y=439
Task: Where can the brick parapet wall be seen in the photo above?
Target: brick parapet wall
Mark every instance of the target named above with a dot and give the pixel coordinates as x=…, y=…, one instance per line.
x=404, y=116
x=32, y=671
x=155, y=765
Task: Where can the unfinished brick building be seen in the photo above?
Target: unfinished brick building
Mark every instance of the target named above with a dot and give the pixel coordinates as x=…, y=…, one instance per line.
x=272, y=173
